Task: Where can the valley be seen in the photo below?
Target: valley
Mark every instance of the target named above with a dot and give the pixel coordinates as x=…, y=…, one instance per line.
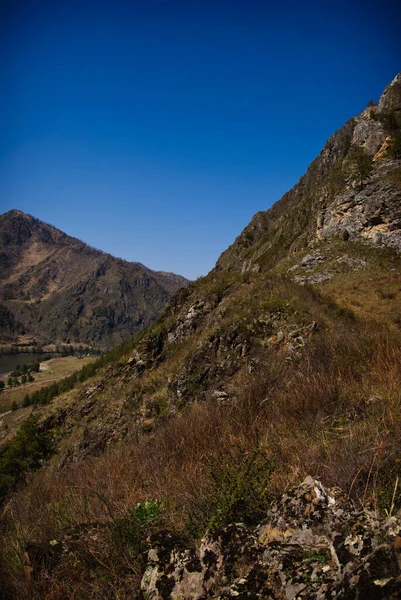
x=12, y=411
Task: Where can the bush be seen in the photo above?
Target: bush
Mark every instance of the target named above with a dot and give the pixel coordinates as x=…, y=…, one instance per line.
x=29, y=447
x=394, y=146
x=238, y=492
x=360, y=164
x=389, y=120
x=134, y=526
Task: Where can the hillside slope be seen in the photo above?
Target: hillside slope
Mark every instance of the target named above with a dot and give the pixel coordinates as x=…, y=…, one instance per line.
x=340, y=195
x=54, y=288
x=283, y=362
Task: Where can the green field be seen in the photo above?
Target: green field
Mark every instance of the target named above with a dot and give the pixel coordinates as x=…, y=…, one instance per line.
x=50, y=371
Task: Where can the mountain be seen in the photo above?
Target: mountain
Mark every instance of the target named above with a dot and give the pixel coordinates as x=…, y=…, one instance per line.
x=330, y=199
x=54, y=288
x=177, y=470
x=329, y=224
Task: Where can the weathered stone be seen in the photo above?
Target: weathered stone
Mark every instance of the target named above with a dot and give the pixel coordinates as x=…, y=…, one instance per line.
x=372, y=213
x=314, y=544
x=312, y=259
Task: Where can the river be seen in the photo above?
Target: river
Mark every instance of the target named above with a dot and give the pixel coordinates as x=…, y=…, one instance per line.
x=9, y=362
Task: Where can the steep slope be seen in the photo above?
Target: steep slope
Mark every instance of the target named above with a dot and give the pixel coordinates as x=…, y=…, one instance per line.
x=249, y=381
x=55, y=288
x=328, y=228
x=351, y=190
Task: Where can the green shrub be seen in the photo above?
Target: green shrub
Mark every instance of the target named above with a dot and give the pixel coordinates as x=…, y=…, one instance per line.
x=394, y=146
x=388, y=486
x=238, y=492
x=359, y=164
x=134, y=526
x=389, y=120
x=26, y=451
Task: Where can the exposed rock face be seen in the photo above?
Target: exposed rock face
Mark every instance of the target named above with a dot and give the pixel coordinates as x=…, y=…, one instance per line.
x=314, y=544
x=328, y=201
x=56, y=288
x=372, y=213
x=390, y=99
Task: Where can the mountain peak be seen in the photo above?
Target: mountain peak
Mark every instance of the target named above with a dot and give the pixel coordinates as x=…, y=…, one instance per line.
x=351, y=189
x=61, y=290
x=391, y=97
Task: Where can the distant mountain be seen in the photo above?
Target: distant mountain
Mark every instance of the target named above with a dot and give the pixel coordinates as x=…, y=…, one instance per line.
x=55, y=288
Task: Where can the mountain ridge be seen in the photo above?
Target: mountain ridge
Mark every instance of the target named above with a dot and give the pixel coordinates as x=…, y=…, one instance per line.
x=313, y=194
x=42, y=265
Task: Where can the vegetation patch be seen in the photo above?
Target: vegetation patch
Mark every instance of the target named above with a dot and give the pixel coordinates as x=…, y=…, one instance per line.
x=28, y=449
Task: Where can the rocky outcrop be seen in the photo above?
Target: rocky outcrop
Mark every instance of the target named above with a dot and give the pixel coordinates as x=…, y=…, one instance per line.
x=391, y=97
x=314, y=544
x=372, y=213
x=330, y=199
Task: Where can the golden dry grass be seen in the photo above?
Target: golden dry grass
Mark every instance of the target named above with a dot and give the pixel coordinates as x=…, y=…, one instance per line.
x=335, y=415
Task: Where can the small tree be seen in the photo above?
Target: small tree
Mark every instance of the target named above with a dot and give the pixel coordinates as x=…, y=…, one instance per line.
x=10, y=381
x=2, y=385
x=360, y=164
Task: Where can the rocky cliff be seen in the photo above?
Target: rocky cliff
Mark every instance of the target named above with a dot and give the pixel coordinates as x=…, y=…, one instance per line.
x=351, y=190
x=54, y=288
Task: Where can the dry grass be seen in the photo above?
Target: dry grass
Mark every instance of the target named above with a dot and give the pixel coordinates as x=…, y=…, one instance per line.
x=370, y=296
x=335, y=415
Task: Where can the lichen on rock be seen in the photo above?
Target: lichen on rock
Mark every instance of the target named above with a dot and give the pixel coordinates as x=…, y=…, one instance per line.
x=313, y=544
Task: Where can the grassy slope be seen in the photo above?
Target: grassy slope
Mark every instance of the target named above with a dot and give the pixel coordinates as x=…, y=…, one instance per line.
x=324, y=402
x=371, y=288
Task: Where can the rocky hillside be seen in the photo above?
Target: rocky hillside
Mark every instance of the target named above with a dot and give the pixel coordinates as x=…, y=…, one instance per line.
x=351, y=191
x=314, y=543
x=54, y=288
x=164, y=471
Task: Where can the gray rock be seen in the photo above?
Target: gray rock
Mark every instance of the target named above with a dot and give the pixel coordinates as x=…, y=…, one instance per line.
x=372, y=213
x=312, y=259
x=314, y=544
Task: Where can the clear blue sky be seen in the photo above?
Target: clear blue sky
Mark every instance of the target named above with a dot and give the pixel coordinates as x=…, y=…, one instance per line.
x=155, y=130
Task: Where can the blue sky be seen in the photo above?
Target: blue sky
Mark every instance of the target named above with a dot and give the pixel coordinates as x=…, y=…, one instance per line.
x=155, y=130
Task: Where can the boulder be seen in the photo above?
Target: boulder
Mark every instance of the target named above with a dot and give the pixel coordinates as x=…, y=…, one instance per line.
x=313, y=544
